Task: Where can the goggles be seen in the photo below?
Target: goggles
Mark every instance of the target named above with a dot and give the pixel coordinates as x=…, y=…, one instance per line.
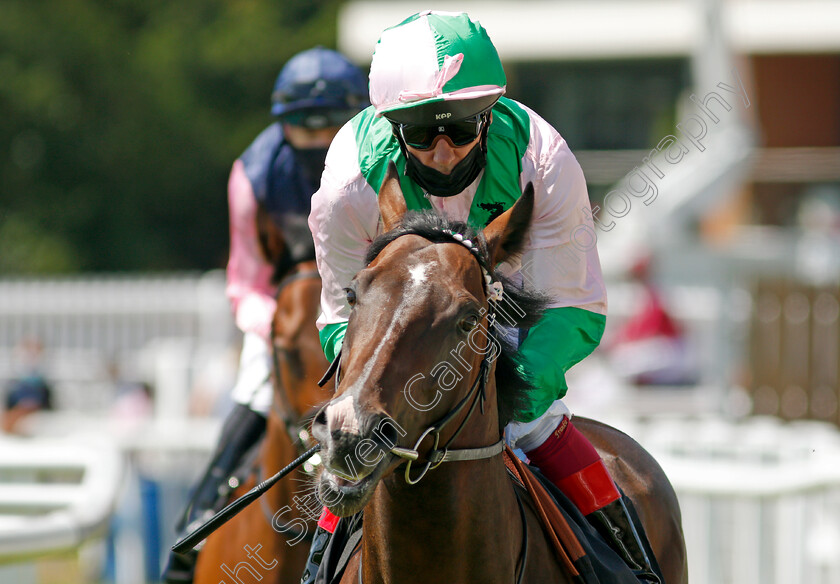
x=315, y=119
x=460, y=133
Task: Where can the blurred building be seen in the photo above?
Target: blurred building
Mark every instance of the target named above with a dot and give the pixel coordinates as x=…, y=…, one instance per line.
x=615, y=77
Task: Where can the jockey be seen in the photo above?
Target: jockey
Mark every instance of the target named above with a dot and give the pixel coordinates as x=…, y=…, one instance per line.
x=467, y=152
x=316, y=92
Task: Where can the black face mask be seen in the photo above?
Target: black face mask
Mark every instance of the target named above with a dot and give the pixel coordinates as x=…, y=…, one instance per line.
x=311, y=163
x=446, y=185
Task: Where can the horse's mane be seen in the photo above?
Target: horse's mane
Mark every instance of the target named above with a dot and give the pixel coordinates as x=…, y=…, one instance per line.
x=521, y=307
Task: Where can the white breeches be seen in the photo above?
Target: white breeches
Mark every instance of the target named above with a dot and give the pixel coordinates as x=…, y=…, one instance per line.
x=253, y=382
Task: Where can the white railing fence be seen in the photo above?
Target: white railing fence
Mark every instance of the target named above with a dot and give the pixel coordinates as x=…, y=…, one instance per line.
x=172, y=332
x=102, y=494
x=55, y=494
x=760, y=498
x=157, y=329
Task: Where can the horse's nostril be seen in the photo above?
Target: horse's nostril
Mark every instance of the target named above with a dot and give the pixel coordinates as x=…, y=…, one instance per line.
x=320, y=418
x=319, y=426
x=386, y=433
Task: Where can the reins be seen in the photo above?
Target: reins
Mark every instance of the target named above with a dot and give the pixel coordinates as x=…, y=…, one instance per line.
x=437, y=456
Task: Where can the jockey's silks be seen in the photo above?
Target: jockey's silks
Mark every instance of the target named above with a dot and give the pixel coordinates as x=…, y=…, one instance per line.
x=499, y=189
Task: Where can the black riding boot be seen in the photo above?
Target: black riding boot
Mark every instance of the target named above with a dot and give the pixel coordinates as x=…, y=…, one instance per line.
x=614, y=524
x=240, y=431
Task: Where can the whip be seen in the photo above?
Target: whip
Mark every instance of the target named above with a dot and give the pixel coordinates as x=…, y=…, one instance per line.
x=190, y=541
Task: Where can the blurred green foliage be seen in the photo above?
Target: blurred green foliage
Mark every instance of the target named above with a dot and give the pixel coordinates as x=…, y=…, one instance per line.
x=121, y=119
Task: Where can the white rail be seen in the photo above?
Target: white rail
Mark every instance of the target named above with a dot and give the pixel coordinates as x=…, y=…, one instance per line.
x=54, y=494
x=159, y=329
x=760, y=498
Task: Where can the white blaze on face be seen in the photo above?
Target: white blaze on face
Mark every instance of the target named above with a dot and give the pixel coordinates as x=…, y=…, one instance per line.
x=411, y=295
x=418, y=274
x=341, y=415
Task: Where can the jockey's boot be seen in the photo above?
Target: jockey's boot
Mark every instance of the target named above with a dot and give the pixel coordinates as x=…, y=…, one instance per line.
x=614, y=524
x=240, y=431
x=323, y=533
x=568, y=459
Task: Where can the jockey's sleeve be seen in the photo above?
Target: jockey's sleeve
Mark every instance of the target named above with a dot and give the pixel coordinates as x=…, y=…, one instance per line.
x=248, y=274
x=562, y=338
x=332, y=337
x=344, y=220
x=560, y=259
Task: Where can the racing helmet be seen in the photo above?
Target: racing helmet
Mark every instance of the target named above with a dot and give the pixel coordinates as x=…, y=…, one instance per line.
x=433, y=68
x=319, y=88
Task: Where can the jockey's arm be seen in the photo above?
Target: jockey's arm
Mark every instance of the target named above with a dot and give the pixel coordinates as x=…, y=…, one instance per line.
x=249, y=287
x=344, y=220
x=560, y=259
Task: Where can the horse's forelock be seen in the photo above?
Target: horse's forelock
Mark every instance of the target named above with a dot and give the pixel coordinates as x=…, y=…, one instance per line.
x=427, y=225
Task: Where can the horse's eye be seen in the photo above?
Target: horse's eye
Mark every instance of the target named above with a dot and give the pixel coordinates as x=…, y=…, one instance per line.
x=468, y=323
x=351, y=296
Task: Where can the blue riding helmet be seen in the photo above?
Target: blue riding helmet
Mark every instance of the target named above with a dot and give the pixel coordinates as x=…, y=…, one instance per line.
x=319, y=88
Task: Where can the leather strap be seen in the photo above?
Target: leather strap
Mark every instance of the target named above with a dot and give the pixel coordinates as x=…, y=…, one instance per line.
x=474, y=453
x=554, y=523
x=350, y=548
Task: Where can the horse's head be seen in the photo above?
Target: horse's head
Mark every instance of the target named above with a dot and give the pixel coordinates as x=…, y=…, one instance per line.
x=297, y=358
x=417, y=352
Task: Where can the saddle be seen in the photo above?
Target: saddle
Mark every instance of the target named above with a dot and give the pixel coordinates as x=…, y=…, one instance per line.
x=578, y=546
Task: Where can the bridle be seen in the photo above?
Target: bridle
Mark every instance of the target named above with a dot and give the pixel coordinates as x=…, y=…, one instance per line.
x=294, y=424
x=476, y=395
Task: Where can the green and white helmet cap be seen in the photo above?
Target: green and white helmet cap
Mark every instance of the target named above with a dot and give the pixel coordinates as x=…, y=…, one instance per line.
x=435, y=66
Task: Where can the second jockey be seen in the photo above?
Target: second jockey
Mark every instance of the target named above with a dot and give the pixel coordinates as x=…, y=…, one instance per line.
x=316, y=92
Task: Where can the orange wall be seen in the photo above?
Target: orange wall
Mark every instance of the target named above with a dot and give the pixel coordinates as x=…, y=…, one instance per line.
x=798, y=98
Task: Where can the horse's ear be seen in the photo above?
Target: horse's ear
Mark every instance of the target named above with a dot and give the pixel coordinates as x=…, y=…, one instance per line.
x=391, y=200
x=506, y=233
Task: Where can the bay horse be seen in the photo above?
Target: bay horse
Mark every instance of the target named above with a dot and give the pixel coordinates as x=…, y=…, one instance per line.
x=413, y=366
x=269, y=540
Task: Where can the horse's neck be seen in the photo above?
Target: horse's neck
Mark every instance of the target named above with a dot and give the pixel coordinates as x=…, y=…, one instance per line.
x=460, y=523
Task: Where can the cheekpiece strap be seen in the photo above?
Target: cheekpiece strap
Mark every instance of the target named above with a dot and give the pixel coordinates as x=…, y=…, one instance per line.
x=493, y=288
